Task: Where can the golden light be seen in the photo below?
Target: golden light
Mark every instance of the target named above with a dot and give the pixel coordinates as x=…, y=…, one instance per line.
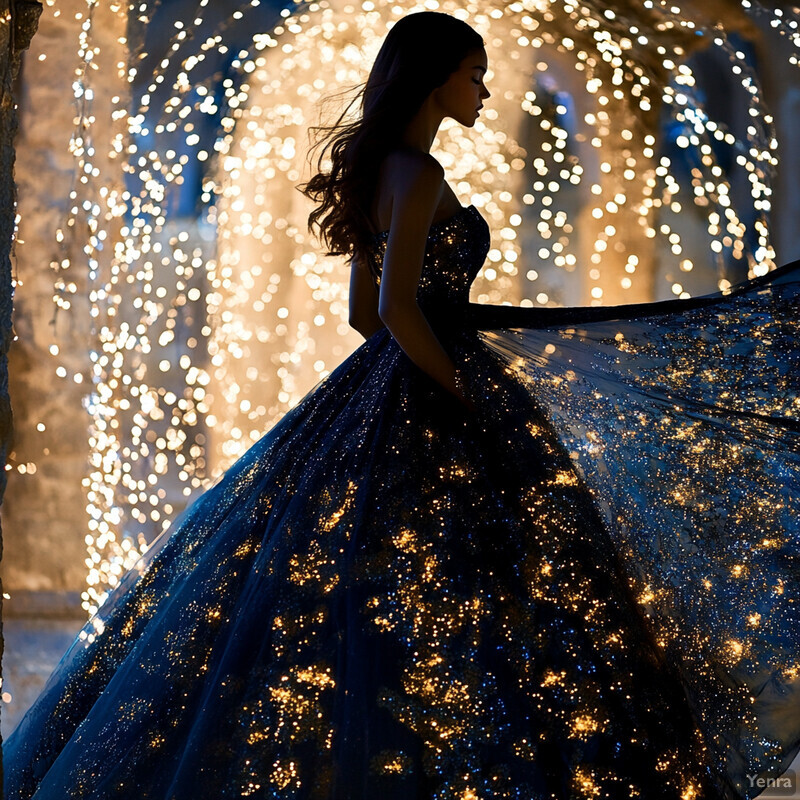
x=207, y=331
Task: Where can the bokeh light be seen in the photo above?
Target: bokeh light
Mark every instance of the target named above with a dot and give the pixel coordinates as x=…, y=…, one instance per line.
x=597, y=145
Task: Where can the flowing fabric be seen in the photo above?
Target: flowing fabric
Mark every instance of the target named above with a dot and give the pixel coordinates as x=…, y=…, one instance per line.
x=587, y=588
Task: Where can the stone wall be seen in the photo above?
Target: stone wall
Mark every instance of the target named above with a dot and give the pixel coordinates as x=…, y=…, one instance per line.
x=44, y=513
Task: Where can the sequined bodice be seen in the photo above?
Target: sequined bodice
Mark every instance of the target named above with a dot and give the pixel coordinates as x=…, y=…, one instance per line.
x=455, y=252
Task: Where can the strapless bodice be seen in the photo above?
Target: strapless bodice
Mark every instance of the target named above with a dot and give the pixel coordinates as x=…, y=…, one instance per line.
x=454, y=253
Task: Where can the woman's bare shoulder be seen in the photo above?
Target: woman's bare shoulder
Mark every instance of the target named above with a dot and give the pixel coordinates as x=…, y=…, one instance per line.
x=406, y=175
x=405, y=167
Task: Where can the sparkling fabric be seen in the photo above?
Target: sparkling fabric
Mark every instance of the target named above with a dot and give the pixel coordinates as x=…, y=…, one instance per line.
x=587, y=589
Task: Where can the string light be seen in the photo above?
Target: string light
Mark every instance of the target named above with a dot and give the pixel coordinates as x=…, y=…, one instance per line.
x=206, y=331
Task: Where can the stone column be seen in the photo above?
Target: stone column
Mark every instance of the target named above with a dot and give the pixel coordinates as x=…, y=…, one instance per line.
x=19, y=22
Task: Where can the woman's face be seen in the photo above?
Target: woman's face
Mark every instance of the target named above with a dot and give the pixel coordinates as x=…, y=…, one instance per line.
x=461, y=96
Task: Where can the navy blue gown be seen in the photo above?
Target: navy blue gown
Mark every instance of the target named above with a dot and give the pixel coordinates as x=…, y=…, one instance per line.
x=588, y=588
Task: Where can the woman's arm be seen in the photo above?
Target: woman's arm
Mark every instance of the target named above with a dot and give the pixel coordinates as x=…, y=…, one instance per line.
x=363, y=299
x=414, y=203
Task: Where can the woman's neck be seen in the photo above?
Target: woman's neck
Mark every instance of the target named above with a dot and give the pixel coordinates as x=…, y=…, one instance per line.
x=421, y=130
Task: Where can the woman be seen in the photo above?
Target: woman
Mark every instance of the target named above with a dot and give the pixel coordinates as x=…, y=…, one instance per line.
x=497, y=553
x=383, y=177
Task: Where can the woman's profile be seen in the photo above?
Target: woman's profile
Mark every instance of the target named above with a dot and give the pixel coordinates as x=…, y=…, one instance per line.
x=496, y=553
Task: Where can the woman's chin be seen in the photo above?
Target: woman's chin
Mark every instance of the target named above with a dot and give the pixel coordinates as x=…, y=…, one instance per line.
x=465, y=121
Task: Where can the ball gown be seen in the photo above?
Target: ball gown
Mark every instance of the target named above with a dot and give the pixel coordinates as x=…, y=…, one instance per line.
x=589, y=587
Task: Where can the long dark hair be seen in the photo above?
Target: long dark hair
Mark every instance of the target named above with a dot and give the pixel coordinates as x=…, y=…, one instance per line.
x=418, y=54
